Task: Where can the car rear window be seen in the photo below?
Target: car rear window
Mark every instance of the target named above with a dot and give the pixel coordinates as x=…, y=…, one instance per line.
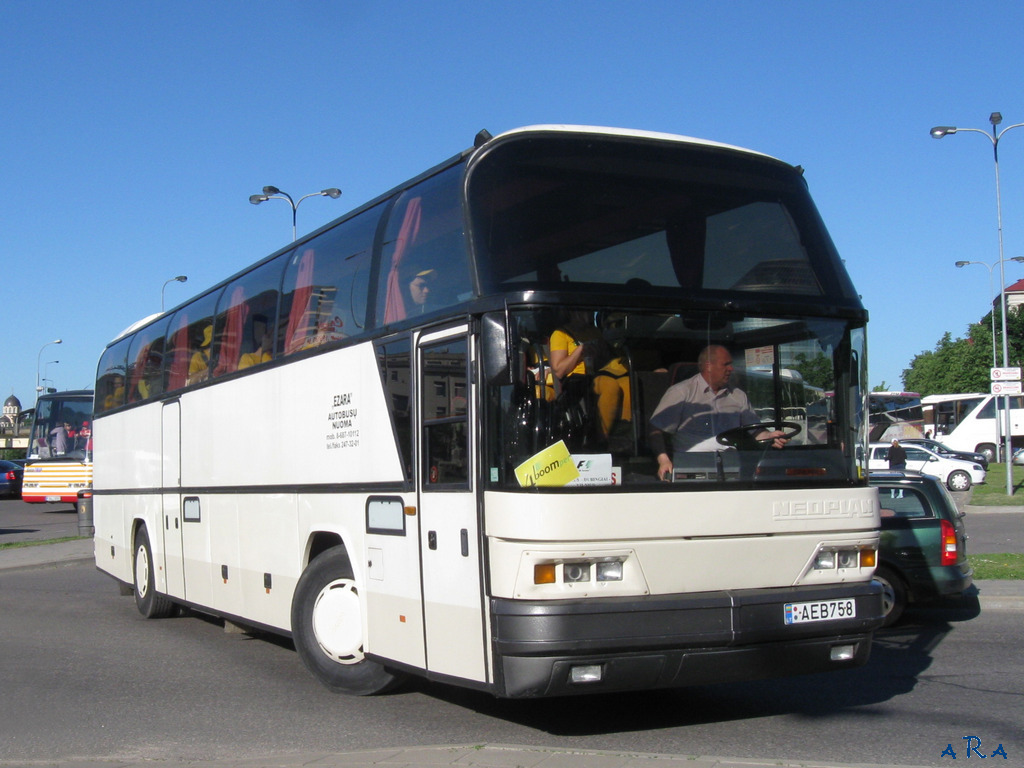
x=902, y=502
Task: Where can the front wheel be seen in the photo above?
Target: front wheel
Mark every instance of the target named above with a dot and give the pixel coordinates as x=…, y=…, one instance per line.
x=894, y=595
x=150, y=603
x=327, y=628
x=988, y=451
x=958, y=480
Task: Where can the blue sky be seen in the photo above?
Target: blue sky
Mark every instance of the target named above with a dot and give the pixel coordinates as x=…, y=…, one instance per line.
x=132, y=135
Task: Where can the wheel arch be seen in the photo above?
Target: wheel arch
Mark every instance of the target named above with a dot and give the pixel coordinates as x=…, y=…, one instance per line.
x=321, y=541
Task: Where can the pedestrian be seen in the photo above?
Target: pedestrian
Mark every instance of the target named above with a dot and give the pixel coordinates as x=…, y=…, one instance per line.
x=897, y=456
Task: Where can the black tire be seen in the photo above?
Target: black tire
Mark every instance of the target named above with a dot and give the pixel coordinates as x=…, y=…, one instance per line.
x=894, y=595
x=958, y=480
x=988, y=451
x=327, y=628
x=150, y=603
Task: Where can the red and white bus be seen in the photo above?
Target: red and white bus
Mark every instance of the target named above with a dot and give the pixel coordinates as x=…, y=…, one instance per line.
x=60, y=448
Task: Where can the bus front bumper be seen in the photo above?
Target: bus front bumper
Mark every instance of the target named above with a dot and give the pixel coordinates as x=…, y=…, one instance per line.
x=565, y=647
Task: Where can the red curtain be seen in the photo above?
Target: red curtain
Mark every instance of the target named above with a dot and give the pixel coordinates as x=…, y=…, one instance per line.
x=178, y=374
x=295, y=337
x=231, y=340
x=394, y=303
x=136, y=374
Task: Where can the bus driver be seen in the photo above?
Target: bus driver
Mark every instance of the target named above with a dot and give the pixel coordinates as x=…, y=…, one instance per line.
x=694, y=411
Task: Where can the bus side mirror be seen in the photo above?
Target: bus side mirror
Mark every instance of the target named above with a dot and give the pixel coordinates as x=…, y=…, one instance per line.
x=494, y=343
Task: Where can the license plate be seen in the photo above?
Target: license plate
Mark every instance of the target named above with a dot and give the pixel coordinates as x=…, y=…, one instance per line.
x=821, y=610
x=53, y=498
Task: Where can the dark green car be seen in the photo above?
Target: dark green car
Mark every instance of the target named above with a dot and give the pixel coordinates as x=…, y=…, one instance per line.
x=922, y=553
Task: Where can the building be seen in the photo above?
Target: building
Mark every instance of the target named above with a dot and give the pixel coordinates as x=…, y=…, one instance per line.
x=1014, y=296
x=9, y=420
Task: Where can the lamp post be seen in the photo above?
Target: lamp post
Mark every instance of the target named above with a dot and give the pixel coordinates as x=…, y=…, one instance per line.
x=39, y=358
x=46, y=371
x=178, y=279
x=273, y=193
x=939, y=132
x=990, y=267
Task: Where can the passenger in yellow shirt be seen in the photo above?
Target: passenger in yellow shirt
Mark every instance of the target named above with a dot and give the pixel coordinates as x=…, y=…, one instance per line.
x=261, y=354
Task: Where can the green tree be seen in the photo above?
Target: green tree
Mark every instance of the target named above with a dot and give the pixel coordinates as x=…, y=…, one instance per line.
x=816, y=371
x=962, y=365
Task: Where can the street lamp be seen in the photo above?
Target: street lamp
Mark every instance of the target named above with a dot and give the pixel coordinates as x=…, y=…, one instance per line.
x=990, y=267
x=273, y=193
x=178, y=279
x=39, y=358
x=939, y=132
x=46, y=370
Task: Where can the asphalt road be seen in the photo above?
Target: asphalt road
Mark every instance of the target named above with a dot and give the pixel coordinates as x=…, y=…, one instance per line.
x=84, y=676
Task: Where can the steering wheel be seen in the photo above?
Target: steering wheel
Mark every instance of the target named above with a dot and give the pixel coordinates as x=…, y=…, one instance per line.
x=742, y=437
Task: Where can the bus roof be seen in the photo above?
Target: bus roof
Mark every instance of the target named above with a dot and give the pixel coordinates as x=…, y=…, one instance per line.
x=630, y=133
x=942, y=398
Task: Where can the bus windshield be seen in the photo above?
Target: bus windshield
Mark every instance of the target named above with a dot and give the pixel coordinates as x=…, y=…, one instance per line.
x=895, y=416
x=548, y=216
x=61, y=426
x=635, y=371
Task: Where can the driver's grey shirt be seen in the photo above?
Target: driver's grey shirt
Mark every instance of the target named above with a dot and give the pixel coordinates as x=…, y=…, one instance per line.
x=694, y=414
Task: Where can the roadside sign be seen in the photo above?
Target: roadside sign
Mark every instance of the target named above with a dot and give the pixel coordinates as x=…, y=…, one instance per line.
x=1005, y=374
x=1006, y=388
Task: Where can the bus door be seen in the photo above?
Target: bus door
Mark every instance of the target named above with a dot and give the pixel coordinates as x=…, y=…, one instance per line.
x=449, y=537
x=170, y=517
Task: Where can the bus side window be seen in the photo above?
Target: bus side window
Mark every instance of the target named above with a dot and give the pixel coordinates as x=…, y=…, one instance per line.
x=190, y=343
x=110, y=383
x=424, y=247
x=145, y=363
x=326, y=285
x=242, y=328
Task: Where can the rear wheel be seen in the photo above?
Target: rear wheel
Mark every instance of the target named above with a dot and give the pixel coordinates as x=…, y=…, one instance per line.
x=958, y=480
x=894, y=595
x=150, y=603
x=327, y=628
x=988, y=451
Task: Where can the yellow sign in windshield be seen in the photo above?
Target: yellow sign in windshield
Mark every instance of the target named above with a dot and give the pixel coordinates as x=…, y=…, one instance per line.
x=552, y=466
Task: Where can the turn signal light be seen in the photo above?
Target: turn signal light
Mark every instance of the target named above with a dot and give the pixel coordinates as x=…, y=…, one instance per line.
x=868, y=558
x=544, y=573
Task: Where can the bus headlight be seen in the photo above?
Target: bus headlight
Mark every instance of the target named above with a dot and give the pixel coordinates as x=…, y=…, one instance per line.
x=552, y=574
x=846, y=557
x=573, y=573
x=825, y=561
x=609, y=571
x=578, y=571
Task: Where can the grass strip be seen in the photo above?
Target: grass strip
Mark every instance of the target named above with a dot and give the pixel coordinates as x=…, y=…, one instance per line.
x=1004, y=566
x=20, y=544
x=992, y=493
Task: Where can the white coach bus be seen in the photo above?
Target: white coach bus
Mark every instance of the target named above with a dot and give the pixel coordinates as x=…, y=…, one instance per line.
x=359, y=442
x=968, y=422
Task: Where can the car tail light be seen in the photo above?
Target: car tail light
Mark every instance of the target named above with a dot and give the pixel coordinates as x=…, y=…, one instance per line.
x=10, y=475
x=948, y=553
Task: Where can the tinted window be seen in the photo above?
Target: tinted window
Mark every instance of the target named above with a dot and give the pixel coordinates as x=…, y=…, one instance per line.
x=111, y=377
x=394, y=361
x=423, y=262
x=145, y=362
x=903, y=502
x=445, y=414
x=555, y=210
x=189, y=344
x=244, y=327
x=326, y=285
